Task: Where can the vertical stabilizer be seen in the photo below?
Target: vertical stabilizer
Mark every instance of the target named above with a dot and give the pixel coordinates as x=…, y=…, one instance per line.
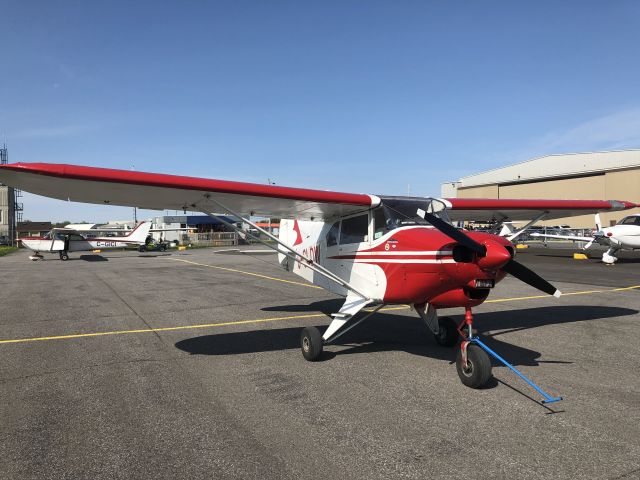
x=140, y=233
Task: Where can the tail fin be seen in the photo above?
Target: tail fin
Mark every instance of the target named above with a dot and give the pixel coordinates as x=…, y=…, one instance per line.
x=140, y=233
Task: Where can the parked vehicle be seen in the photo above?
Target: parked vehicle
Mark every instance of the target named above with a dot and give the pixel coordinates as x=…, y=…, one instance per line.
x=154, y=247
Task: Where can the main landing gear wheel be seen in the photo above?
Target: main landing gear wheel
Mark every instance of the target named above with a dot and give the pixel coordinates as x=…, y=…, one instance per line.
x=311, y=343
x=448, y=332
x=63, y=256
x=477, y=371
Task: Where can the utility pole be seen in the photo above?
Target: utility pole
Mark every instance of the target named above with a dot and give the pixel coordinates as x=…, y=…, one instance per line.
x=135, y=209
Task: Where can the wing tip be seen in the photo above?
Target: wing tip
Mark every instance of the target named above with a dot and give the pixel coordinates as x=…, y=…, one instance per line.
x=557, y=293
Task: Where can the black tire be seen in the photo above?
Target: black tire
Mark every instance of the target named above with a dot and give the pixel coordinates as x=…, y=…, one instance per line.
x=311, y=343
x=448, y=335
x=142, y=249
x=478, y=369
x=64, y=257
x=162, y=248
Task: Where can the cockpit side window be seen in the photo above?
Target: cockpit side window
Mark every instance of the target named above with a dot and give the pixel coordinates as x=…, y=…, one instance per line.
x=332, y=236
x=379, y=223
x=355, y=229
x=630, y=221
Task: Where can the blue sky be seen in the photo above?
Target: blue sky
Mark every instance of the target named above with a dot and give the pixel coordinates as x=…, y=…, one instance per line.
x=364, y=96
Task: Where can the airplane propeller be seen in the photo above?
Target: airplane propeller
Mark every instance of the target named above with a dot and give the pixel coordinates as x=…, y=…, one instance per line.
x=512, y=267
x=454, y=233
x=530, y=277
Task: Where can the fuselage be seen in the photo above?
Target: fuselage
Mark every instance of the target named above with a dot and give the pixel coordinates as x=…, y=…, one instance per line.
x=409, y=265
x=77, y=243
x=624, y=235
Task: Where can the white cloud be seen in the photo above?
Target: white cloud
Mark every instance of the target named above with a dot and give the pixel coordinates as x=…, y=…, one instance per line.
x=613, y=131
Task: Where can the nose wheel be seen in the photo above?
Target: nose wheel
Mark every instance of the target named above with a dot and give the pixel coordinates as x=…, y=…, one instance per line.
x=64, y=256
x=472, y=362
x=473, y=365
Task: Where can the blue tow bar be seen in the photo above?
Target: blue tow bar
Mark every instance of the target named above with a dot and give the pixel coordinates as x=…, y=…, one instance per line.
x=547, y=398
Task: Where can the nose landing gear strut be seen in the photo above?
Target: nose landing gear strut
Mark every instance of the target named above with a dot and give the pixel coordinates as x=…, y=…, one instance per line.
x=474, y=365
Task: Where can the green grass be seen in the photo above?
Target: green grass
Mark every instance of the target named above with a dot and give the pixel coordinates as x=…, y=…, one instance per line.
x=6, y=250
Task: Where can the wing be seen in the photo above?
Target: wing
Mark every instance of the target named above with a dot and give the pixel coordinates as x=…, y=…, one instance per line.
x=564, y=237
x=172, y=192
x=502, y=209
x=66, y=231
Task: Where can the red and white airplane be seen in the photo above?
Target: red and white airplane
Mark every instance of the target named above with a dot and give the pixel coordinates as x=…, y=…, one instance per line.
x=625, y=235
x=65, y=240
x=372, y=249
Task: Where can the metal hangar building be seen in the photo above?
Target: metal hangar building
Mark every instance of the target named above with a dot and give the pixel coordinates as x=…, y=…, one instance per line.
x=613, y=175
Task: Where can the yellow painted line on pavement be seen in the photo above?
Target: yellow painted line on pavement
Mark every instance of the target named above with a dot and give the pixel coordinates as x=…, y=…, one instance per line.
x=585, y=292
x=276, y=279
x=181, y=327
x=273, y=319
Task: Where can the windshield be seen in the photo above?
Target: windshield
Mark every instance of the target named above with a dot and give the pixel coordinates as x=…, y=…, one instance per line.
x=401, y=212
x=635, y=220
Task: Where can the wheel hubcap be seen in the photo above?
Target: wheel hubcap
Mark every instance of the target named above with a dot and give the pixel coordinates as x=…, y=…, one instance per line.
x=305, y=344
x=467, y=369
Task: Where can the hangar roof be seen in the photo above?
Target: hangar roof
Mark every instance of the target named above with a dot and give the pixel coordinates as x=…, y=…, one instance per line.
x=553, y=166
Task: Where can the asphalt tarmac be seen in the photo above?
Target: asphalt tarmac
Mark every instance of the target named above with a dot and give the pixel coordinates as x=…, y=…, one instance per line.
x=187, y=365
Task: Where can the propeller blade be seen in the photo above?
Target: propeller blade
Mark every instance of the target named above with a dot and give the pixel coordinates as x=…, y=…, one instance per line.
x=530, y=278
x=455, y=234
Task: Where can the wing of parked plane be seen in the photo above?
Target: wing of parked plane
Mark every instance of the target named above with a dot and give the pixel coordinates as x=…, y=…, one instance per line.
x=574, y=238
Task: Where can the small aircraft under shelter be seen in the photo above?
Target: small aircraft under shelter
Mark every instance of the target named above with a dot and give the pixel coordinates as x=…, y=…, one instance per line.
x=80, y=238
x=625, y=235
x=372, y=249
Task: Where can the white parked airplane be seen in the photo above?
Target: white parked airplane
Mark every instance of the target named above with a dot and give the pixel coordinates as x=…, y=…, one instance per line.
x=625, y=235
x=65, y=240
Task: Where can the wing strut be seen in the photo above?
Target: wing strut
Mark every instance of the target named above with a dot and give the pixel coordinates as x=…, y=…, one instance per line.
x=289, y=251
x=523, y=229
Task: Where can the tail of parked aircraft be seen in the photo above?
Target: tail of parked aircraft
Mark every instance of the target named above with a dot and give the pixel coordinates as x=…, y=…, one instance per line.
x=140, y=233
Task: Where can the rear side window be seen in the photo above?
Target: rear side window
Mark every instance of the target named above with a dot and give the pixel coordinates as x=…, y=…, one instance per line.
x=332, y=236
x=355, y=229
